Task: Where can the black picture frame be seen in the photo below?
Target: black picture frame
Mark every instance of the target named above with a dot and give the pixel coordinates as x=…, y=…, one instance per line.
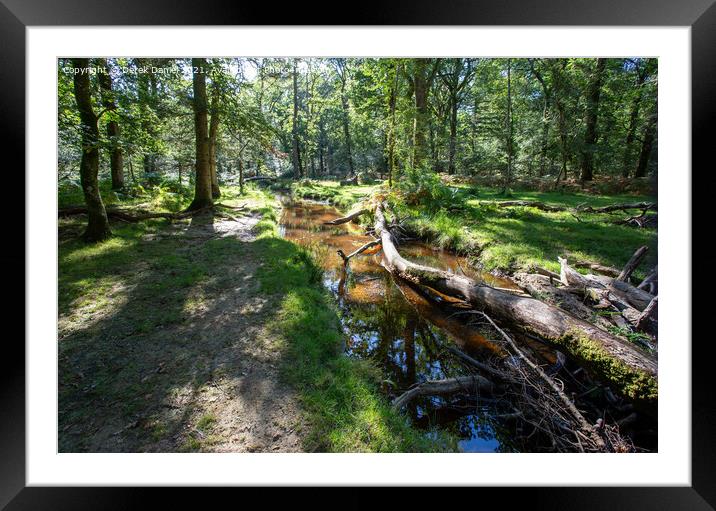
x=16, y=15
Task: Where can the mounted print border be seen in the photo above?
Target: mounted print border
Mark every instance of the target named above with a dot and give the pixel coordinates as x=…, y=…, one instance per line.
x=14, y=18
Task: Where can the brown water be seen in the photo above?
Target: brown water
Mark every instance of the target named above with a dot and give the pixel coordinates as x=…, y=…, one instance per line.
x=398, y=328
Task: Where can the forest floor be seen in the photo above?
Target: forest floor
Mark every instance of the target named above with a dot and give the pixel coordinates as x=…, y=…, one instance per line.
x=466, y=219
x=209, y=335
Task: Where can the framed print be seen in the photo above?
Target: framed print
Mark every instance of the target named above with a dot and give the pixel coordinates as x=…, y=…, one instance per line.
x=418, y=247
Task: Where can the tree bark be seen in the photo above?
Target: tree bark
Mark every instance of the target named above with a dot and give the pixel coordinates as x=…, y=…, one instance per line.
x=213, y=132
x=113, y=131
x=97, y=224
x=422, y=79
x=202, y=182
x=591, y=134
x=296, y=158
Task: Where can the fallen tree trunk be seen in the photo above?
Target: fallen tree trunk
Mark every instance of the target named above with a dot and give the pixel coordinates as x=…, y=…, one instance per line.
x=630, y=370
x=259, y=178
x=448, y=386
x=645, y=206
x=618, y=292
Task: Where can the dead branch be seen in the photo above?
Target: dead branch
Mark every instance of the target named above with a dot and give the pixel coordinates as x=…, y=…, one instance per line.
x=633, y=263
x=348, y=218
x=650, y=283
x=347, y=258
x=584, y=425
x=448, y=386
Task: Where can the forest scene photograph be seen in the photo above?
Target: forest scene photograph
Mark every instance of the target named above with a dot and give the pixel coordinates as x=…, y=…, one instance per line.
x=313, y=254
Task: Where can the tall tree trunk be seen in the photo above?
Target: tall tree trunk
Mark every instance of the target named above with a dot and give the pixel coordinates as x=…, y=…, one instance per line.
x=391, y=133
x=147, y=97
x=563, y=145
x=453, y=133
x=321, y=143
x=545, y=140
x=646, y=147
x=633, y=118
x=97, y=224
x=421, y=86
x=202, y=182
x=213, y=132
x=545, y=117
x=508, y=122
x=241, y=168
x=131, y=169
x=591, y=135
x=346, y=125
x=113, y=133
x=296, y=158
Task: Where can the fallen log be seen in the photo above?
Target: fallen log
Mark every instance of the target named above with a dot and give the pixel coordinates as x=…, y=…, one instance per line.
x=645, y=206
x=600, y=268
x=259, y=178
x=632, y=264
x=448, y=386
x=599, y=286
x=637, y=298
x=630, y=370
x=347, y=218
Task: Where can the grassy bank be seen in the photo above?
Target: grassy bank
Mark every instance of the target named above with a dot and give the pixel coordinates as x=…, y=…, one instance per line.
x=466, y=219
x=174, y=337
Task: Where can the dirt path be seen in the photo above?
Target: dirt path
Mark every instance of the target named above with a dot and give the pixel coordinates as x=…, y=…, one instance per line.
x=171, y=361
